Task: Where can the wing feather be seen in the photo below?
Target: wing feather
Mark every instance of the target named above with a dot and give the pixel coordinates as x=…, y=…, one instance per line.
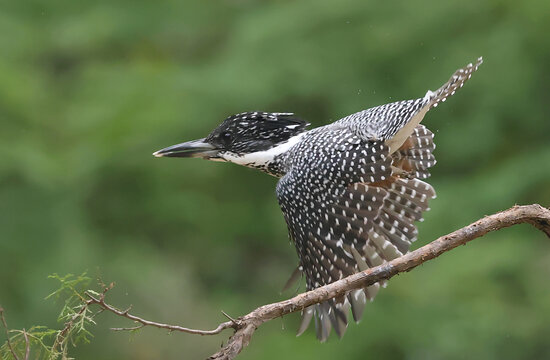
x=348, y=214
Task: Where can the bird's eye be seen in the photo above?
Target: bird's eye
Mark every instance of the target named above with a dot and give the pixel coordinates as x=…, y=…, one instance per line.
x=226, y=137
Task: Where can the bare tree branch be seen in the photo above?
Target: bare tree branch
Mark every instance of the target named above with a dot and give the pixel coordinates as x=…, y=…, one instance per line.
x=245, y=326
x=125, y=313
x=535, y=215
x=27, y=345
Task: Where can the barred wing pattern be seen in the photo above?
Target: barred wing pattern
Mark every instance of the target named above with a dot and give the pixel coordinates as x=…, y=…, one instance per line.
x=352, y=213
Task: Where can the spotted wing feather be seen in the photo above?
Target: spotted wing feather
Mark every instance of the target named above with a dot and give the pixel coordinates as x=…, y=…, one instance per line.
x=353, y=193
x=415, y=156
x=363, y=217
x=327, y=205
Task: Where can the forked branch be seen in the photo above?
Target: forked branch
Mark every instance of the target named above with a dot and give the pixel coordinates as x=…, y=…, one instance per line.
x=245, y=326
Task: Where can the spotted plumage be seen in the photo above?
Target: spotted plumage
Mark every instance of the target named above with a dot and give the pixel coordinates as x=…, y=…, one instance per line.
x=350, y=191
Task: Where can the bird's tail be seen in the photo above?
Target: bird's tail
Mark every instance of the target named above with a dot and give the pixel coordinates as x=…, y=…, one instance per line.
x=421, y=106
x=455, y=82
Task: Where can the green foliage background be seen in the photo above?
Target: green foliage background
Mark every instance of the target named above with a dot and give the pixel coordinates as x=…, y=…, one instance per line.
x=88, y=90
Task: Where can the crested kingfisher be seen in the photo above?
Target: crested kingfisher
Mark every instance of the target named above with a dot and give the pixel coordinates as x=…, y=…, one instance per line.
x=350, y=191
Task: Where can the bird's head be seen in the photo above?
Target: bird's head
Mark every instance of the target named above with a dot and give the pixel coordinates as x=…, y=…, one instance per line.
x=241, y=137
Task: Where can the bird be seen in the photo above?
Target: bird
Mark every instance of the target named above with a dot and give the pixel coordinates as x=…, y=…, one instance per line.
x=350, y=191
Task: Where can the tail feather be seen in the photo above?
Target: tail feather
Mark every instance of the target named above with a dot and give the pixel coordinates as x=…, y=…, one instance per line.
x=405, y=125
x=307, y=315
x=358, y=300
x=456, y=81
x=338, y=314
x=322, y=321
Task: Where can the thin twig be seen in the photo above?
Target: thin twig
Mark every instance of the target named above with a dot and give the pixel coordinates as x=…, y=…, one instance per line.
x=124, y=313
x=27, y=345
x=132, y=328
x=230, y=318
x=7, y=333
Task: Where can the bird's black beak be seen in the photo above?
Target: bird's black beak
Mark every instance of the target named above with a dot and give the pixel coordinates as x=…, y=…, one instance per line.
x=196, y=148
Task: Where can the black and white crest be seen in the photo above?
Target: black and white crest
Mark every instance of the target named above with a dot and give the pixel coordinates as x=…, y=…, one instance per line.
x=251, y=132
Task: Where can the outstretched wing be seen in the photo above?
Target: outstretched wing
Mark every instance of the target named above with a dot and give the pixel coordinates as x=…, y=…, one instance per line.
x=347, y=210
x=352, y=195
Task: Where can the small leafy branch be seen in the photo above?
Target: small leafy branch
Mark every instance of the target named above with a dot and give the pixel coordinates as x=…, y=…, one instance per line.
x=40, y=342
x=80, y=306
